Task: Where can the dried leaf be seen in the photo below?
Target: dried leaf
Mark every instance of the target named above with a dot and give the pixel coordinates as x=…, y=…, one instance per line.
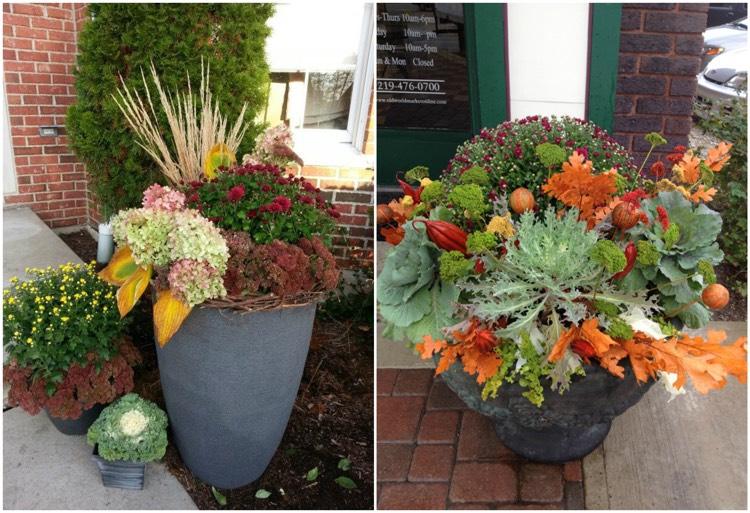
x=169, y=314
x=130, y=292
x=120, y=267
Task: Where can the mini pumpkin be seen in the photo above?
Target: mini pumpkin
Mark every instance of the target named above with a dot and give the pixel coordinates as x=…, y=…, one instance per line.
x=522, y=200
x=715, y=296
x=625, y=215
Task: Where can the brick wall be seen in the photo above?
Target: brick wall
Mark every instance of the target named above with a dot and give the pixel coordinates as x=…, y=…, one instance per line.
x=39, y=47
x=660, y=55
x=39, y=56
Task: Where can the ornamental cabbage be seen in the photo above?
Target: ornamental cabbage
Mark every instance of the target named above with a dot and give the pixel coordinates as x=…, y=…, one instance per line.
x=131, y=429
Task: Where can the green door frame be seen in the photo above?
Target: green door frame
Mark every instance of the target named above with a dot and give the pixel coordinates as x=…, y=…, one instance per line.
x=604, y=54
x=486, y=44
x=402, y=149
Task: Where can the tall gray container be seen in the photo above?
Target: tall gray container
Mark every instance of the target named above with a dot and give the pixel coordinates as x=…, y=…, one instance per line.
x=229, y=381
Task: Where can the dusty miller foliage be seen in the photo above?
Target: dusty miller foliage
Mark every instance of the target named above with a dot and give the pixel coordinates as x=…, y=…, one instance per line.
x=551, y=269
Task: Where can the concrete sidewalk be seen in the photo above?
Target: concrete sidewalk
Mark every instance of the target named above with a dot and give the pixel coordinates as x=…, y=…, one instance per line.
x=42, y=468
x=687, y=454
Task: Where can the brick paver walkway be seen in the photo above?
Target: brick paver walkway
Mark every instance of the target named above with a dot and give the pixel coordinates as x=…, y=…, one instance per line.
x=435, y=453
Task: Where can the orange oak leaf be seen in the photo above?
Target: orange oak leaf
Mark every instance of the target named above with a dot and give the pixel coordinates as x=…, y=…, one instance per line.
x=718, y=156
x=429, y=346
x=702, y=194
x=577, y=187
x=687, y=170
x=484, y=364
x=447, y=358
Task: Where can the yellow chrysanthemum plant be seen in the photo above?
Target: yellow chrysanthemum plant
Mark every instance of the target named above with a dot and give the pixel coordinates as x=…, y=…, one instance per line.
x=59, y=320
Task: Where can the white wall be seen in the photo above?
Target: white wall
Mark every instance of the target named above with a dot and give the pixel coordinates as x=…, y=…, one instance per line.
x=547, y=58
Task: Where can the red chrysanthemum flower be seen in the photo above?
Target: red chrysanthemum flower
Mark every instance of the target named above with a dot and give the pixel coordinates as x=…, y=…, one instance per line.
x=236, y=193
x=657, y=169
x=634, y=197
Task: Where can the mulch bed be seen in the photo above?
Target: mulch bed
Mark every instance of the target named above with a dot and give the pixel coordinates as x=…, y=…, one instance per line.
x=332, y=418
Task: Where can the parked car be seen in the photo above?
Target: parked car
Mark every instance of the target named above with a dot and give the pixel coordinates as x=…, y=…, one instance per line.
x=721, y=13
x=725, y=77
x=724, y=38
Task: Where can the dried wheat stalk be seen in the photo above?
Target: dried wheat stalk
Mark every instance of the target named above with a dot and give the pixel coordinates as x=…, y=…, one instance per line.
x=193, y=135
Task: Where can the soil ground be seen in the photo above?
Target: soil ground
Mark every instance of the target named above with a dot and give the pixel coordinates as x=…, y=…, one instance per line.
x=332, y=418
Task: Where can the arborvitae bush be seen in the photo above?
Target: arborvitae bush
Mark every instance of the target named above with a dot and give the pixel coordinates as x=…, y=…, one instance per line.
x=122, y=39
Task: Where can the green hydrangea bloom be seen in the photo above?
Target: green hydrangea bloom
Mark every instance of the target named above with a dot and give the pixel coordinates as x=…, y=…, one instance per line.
x=619, y=329
x=416, y=174
x=475, y=175
x=479, y=242
x=647, y=253
x=671, y=236
x=706, y=270
x=551, y=155
x=655, y=139
x=453, y=266
x=607, y=308
x=433, y=192
x=469, y=197
x=609, y=255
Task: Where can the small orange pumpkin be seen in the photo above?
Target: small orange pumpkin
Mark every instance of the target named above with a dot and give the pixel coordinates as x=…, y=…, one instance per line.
x=625, y=215
x=715, y=296
x=522, y=200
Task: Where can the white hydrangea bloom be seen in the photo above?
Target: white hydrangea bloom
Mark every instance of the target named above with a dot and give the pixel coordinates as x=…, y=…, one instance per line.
x=133, y=422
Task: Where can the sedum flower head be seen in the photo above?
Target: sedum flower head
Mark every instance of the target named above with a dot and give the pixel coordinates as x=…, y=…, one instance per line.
x=476, y=175
x=551, y=155
x=609, y=255
x=706, y=270
x=502, y=226
x=481, y=242
x=647, y=253
x=453, y=266
x=433, y=191
x=469, y=197
x=671, y=236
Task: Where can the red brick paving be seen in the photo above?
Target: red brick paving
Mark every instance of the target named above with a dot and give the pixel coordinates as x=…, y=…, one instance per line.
x=436, y=453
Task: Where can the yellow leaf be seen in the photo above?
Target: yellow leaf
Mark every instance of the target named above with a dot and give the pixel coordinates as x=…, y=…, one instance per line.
x=120, y=267
x=169, y=313
x=219, y=155
x=133, y=288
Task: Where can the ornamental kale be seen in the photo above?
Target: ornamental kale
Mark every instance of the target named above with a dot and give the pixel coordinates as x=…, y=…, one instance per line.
x=677, y=274
x=132, y=429
x=413, y=303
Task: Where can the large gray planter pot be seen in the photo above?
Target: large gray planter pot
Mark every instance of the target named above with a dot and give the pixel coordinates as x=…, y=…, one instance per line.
x=230, y=380
x=566, y=427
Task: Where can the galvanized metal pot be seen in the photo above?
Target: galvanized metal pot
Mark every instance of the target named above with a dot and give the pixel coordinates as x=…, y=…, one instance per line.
x=127, y=475
x=229, y=381
x=566, y=427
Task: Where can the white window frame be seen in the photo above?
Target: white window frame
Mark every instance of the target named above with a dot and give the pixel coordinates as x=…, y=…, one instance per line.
x=362, y=86
x=10, y=181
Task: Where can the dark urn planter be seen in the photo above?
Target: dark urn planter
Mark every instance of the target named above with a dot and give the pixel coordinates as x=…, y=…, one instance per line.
x=566, y=427
x=120, y=474
x=79, y=426
x=230, y=380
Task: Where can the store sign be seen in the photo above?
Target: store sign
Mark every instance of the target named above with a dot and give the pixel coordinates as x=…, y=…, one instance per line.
x=422, y=77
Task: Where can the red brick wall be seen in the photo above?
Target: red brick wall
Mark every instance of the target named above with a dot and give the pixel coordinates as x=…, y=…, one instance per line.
x=39, y=47
x=660, y=55
x=39, y=55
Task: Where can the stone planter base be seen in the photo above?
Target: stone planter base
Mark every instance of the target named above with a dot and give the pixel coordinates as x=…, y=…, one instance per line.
x=120, y=474
x=79, y=426
x=566, y=427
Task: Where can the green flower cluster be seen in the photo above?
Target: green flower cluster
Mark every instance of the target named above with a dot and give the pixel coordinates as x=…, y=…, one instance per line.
x=706, y=270
x=453, y=266
x=619, y=329
x=475, y=175
x=417, y=173
x=609, y=255
x=481, y=242
x=607, y=308
x=469, y=197
x=433, y=192
x=131, y=429
x=671, y=236
x=647, y=253
x=551, y=155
